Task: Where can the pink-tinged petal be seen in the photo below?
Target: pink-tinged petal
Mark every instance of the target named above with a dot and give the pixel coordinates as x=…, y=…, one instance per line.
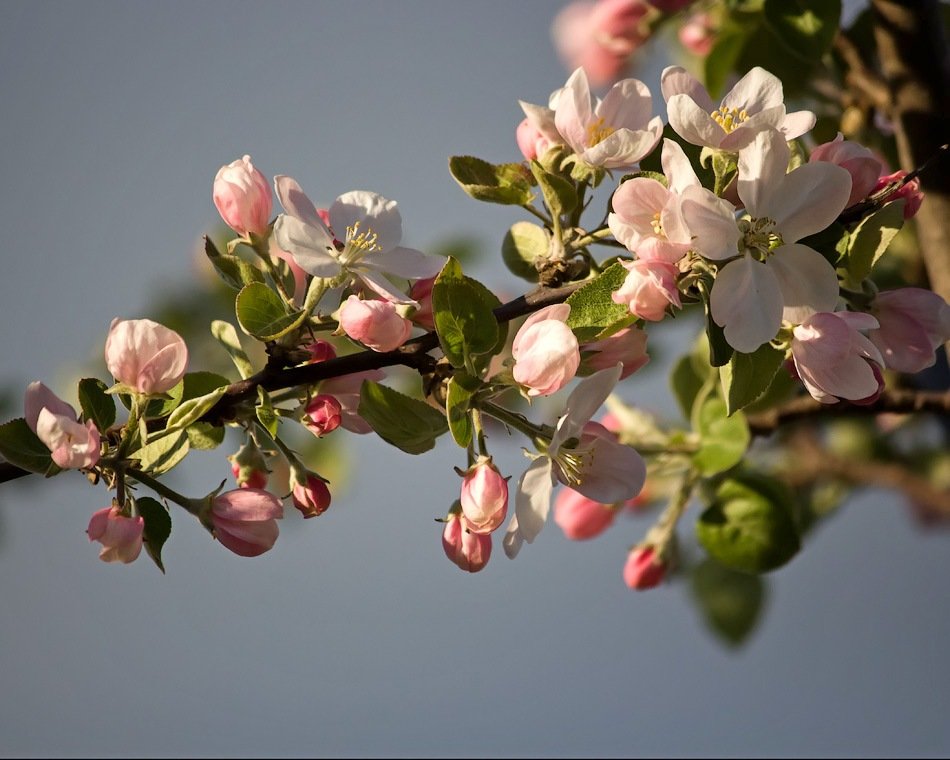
x=298, y=205
x=574, y=111
x=636, y=203
x=546, y=356
x=903, y=343
x=747, y=303
x=712, y=222
x=39, y=397
x=533, y=500
x=811, y=198
x=743, y=135
x=858, y=320
x=247, y=504
x=761, y=173
x=300, y=277
x=120, y=536
x=677, y=168
x=583, y=403
x=579, y=517
x=405, y=262
x=628, y=105
x=755, y=92
x=246, y=539
x=558, y=311
x=829, y=358
x=797, y=123
x=692, y=123
x=624, y=148
x=371, y=213
x=923, y=306
x=309, y=246
x=675, y=80
x=514, y=538
x=71, y=444
x=542, y=119
x=617, y=473
x=807, y=281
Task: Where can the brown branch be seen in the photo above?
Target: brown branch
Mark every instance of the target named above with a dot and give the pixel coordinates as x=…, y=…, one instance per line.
x=898, y=401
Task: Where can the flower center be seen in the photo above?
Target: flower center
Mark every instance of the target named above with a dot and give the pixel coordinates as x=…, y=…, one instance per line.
x=656, y=224
x=358, y=243
x=759, y=235
x=597, y=132
x=729, y=118
x=573, y=463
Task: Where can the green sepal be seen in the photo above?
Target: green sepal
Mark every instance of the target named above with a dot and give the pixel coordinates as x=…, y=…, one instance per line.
x=157, y=529
x=723, y=439
x=731, y=602
x=458, y=397
x=805, y=27
x=226, y=335
x=593, y=314
x=463, y=316
x=232, y=269
x=508, y=184
x=96, y=403
x=263, y=314
x=869, y=241
x=746, y=377
x=750, y=525
x=406, y=423
x=657, y=176
x=524, y=244
x=22, y=448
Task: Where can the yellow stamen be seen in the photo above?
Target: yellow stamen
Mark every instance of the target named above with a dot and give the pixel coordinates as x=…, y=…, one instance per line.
x=597, y=132
x=729, y=118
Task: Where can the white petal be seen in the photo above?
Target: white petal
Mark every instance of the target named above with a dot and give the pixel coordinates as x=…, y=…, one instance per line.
x=762, y=168
x=405, y=262
x=675, y=80
x=310, y=246
x=513, y=539
x=297, y=204
x=797, y=123
x=747, y=303
x=617, y=473
x=381, y=285
x=811, y=198
x=583, y=403
x=676, y=166
x=628, y=104
x=755, y=92
x=692, y=123
x=574, y=111
x=711, y=222
x=768, y=120
x=533, y=501
x=807, y=281
x=373, y=213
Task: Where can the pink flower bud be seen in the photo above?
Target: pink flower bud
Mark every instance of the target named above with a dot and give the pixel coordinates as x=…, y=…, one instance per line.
x=144, y=355
x=545, y=351
x=245, y=520
x=322, y=415
x=484, y=496
x=627, y=346
x=914, y=321
x=421, y=293
x=579, y=517
x=644, y=569
x=320, y=351
x=650, y=286
x=242, y=196
x=375, y=324
x=71, y=444
x=346, y=390
x=249, y=466
x=863, y=166
x=120, y=536
x=910, y=192
x=470, y=551
x=311, y=496
x=697, y=34
x=531, y=141
x=599, y=36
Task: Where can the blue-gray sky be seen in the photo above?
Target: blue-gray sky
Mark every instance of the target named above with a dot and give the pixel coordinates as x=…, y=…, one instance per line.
x=355, y=636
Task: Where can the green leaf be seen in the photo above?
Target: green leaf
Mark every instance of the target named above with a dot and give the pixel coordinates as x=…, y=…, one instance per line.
x=96, y=404
x=723, y=439
x=524, y=244
x=593, y=314
x=461, y=388
x=233, y=270
x=158, y=527
x=508, y=184
x=162, y=405
x=265, y=412
x=406, y=423
x=719, y=349
x=227, y=336
x=749, y=525
x=746, y=377
x=731, y=602
x=805, y=27
x=463, y=317
x=263, y=314
x=162, y=454
x=870, y=239
x=560, y=196
x=204, y=436
x=21, y=447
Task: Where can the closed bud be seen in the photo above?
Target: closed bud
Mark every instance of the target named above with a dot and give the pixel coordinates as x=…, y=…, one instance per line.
x=245, y=520
x=322, y=414
x=470, y=551
x=120, y=535
x=545, y=351
x=310, y=494
x=644, y=568
x=910, y=192
x=320, y=351
x=375, y=324
x=242, y=196
x=581, y=518
x=144, y=355
x=249, y=466
x=484, y=496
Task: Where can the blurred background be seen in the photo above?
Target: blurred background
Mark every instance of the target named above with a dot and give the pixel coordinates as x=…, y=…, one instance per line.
x=355, y=636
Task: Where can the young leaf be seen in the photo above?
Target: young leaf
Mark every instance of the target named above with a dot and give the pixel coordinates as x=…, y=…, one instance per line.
x=524, y=244
x=265, y=412
x=227, y=336
x=870, y=239
x=507, y=184
x=463, y=316
x=560, y=196
x=20, y=447
x=461, y=388
x=162, y=454
x=190, y=411
x=746, y=377
x=262, y=313
x=593, y=314
x=233, y=270
x=204, y=436
x=158, y=527
x=405, y=422
x=749, y=525
x=96, y=404
x=723, y=439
